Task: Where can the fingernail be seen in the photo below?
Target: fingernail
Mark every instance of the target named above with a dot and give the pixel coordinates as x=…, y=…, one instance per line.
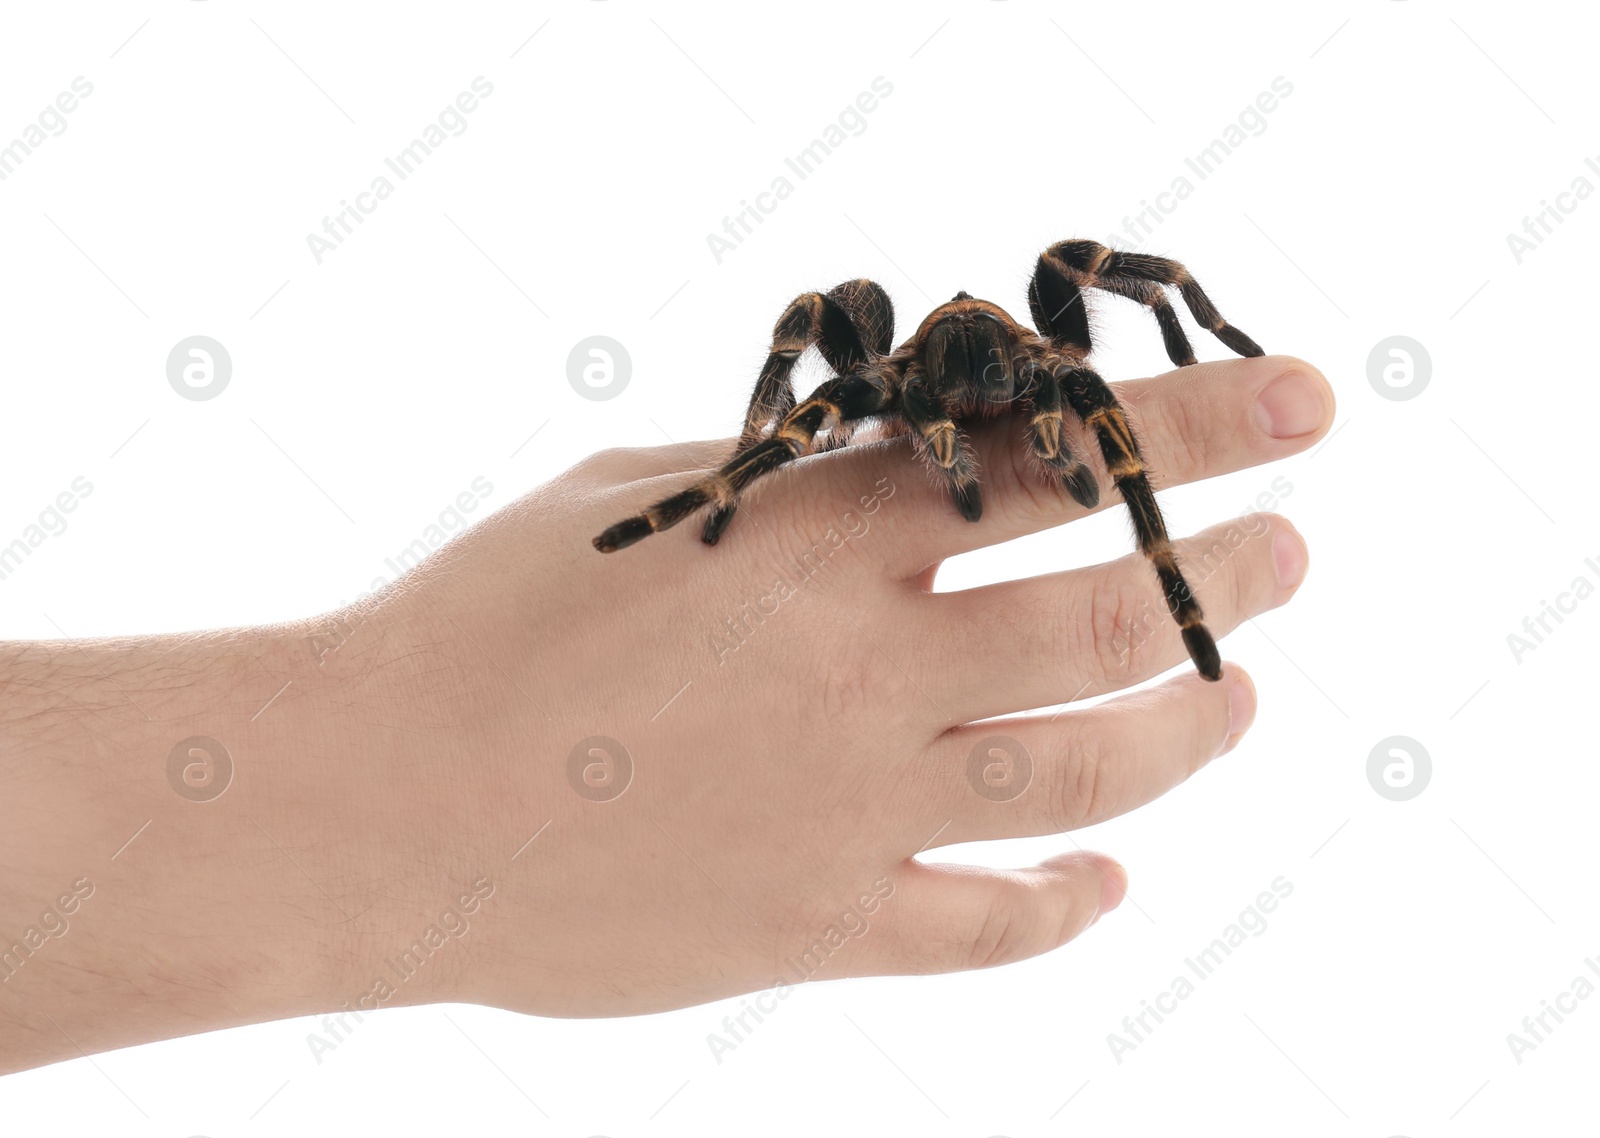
x=1114, y=888
x=1290, y=406
x=1241, y=709
x=1289, y=558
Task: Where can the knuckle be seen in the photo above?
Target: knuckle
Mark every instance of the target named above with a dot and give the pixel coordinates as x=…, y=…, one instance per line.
x=1003, y=935
x=1020, y=921
x=1079, y=791
x=1180, y=433
x=1244, y=578
x=1119, y=621
x=1191, y=444
x=846, y=695
x=851, y=687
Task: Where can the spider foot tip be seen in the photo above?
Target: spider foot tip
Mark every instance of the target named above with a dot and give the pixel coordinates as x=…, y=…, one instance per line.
x=969, y=502
x=1083, y=486
x=1203, y=651
x=1238, y=341
x=623, y=534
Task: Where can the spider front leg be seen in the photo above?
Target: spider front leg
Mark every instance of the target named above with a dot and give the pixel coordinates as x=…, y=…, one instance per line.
x=944, y=446
x=857, y=395
x=1049, y=443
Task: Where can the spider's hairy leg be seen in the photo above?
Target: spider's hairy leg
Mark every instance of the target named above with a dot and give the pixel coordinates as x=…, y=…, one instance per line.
x=857, y=395
x=1046, y=402
x=1057, y=279
x=870, y=311
x=1056, y=303
x=849, y=324
x=1097, y=406
x=1154, y=297
x=808, y=317
x=1140, y=276
x=944, y=447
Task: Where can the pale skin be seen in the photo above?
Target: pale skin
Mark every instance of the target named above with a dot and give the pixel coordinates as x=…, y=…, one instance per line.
x=784, y=777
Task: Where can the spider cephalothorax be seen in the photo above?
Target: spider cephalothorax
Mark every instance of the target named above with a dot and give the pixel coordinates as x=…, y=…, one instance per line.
x=967, y=360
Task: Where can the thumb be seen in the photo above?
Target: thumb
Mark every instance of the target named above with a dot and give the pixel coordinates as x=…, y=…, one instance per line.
x=948, y=918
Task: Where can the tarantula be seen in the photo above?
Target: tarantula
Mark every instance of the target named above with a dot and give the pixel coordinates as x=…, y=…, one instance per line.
x=968, y=360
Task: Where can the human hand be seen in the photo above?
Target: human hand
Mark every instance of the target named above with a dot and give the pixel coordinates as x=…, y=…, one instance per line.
x=797, y=708
x=427, y=815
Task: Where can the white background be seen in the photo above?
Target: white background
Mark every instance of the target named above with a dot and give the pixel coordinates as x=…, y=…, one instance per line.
x=369, y=390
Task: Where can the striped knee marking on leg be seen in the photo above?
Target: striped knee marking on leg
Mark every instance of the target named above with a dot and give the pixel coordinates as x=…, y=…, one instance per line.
x=1047, y=433
x=1116, y=438
x=796, y=435
x=941, y=440
x=800, y=426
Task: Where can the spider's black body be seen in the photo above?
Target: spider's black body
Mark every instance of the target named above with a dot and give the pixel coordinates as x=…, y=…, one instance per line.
x=968, y=360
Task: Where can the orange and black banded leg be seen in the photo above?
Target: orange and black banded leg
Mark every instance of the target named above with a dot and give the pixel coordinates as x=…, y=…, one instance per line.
x=1056, y=303
x=849, y=323
x=944, y=447
x=854, y=396
x=1093, y=401
x=1048, y=440
x=1140, y=276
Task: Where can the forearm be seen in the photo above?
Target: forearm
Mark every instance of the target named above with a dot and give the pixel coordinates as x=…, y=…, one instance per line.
x=199, y=897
